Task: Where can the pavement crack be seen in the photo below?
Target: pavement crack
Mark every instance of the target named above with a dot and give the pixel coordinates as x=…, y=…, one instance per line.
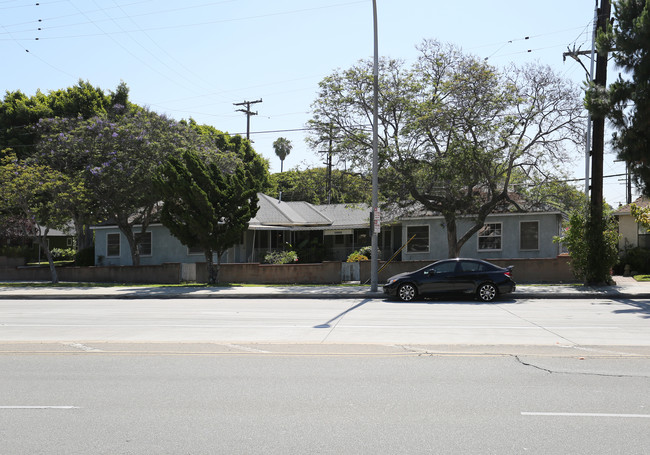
x=579, y=373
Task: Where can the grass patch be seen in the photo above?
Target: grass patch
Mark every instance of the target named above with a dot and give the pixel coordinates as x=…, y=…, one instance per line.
x=642, y=277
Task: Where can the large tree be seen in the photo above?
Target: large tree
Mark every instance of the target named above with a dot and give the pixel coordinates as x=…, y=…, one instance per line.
x=282, y=147
x=628, y=102
x=311, y=185
x=39, y=195
x=19, y=112
x=453, y=130
x=208, y=202
x=117, y=160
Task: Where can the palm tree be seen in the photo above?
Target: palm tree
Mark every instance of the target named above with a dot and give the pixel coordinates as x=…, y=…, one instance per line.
x=282, y=148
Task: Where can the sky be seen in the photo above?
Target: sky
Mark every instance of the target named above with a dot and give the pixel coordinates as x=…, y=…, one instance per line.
x=197, y=58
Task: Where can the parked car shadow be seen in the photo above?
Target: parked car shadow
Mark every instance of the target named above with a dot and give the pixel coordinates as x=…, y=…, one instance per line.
x=466, y=300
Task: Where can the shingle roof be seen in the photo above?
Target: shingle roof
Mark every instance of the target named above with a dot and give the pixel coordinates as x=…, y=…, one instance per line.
x=272, y=212
x=296, y=214
x=642, y=202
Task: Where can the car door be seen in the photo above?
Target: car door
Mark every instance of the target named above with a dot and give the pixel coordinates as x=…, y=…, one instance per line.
x=438, y=278
x=466, y=276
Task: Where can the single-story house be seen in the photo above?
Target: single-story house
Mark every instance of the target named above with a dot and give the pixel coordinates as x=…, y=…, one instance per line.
x=332, y=232
x=505, y=234
x=632, y=234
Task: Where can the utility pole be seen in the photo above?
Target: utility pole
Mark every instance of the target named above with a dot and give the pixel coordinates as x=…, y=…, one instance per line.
x=328, y=163
x=248, y=113
x=375, y=228
x=595, y=237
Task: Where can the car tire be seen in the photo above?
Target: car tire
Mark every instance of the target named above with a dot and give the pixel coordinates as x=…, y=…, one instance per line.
x=407, y=292
x=487, y=292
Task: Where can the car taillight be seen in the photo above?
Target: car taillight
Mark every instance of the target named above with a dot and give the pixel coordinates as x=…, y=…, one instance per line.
x=508, y=274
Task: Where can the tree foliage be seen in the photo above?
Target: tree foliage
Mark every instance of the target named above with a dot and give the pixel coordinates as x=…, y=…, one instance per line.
x=19, y=112
x=39, y=195
x=453, y=130
x=117, y=160
x=282, y=147
x=310, y=185
x=576, y=237
x=627, y=101
x=206, y=207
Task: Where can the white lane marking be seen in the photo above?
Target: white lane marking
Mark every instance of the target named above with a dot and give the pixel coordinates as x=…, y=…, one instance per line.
x=39, y=407
x=247, y=349
x=82, y=347
x=586, y=414
x=239, y=326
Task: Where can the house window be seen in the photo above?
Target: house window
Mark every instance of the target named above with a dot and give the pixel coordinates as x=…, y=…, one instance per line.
x=420, y=243
x=489, y=237
x=143, y=242
x=195, y=250
x=644, y=236
x=529, y=235
x=112, y=245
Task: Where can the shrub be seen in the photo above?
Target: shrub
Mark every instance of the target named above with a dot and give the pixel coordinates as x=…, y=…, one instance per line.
x=356, y=257
x=85, y=257
x=577, y=240
x=638, y=258
x=63, y=254
x=280, y=257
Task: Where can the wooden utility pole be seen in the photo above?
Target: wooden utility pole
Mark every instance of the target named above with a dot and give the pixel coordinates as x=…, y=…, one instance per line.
x=598, y=138
x=595, y=229
x=248, y=113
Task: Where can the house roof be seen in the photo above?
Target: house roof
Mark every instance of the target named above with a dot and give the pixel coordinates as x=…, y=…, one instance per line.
x=642, y=202
x=275, y=213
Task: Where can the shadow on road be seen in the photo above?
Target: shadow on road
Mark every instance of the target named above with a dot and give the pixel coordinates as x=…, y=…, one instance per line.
x=635, y=306
x=328, y=324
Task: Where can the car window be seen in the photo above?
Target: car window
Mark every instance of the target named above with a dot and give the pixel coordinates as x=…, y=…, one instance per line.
x=444, y=267
x=470, y=266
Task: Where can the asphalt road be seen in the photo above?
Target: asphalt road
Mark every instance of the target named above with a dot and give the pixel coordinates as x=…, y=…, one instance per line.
x=329, y=377
x=157, y=401
x=549, y=322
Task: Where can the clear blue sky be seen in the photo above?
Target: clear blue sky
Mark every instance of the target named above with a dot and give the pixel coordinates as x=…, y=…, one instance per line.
x=196, y=58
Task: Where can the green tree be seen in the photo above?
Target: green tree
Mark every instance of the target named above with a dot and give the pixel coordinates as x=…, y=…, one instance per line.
x=576, y=237
x=310, y=185
x=628, y=99
x=282, y=147
x=453, y=130
x=205, y=207
x=19, y=113
x=40, y=195
x=116, y=159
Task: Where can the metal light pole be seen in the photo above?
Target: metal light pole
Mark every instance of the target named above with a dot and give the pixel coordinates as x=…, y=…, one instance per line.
x=374, y=264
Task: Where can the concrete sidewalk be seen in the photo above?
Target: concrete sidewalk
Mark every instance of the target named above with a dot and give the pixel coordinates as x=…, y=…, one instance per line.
x=625, y=288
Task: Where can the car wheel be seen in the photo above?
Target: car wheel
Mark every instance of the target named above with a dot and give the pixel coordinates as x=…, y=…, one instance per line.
x=486, y=292
x=407, y=292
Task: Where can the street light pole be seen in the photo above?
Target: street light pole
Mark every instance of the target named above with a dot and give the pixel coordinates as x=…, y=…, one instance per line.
x=374, y=264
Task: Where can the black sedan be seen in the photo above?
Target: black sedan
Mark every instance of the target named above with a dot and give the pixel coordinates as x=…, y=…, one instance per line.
x=452, y=276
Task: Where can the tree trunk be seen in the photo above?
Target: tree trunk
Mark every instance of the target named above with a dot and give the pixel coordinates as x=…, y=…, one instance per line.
x=42, y=241
x=453, y=248
x=213, y=273
x=133, y=247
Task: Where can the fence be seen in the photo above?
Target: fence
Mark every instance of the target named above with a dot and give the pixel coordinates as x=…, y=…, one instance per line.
x=552, y=270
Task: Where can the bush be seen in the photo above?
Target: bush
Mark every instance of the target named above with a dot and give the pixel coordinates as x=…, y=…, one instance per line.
x=577, y=240
x=356, y=257
x=63, y=254
x=85, y=257
x=14, y=251
x=638, y=258
x=280, y=257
